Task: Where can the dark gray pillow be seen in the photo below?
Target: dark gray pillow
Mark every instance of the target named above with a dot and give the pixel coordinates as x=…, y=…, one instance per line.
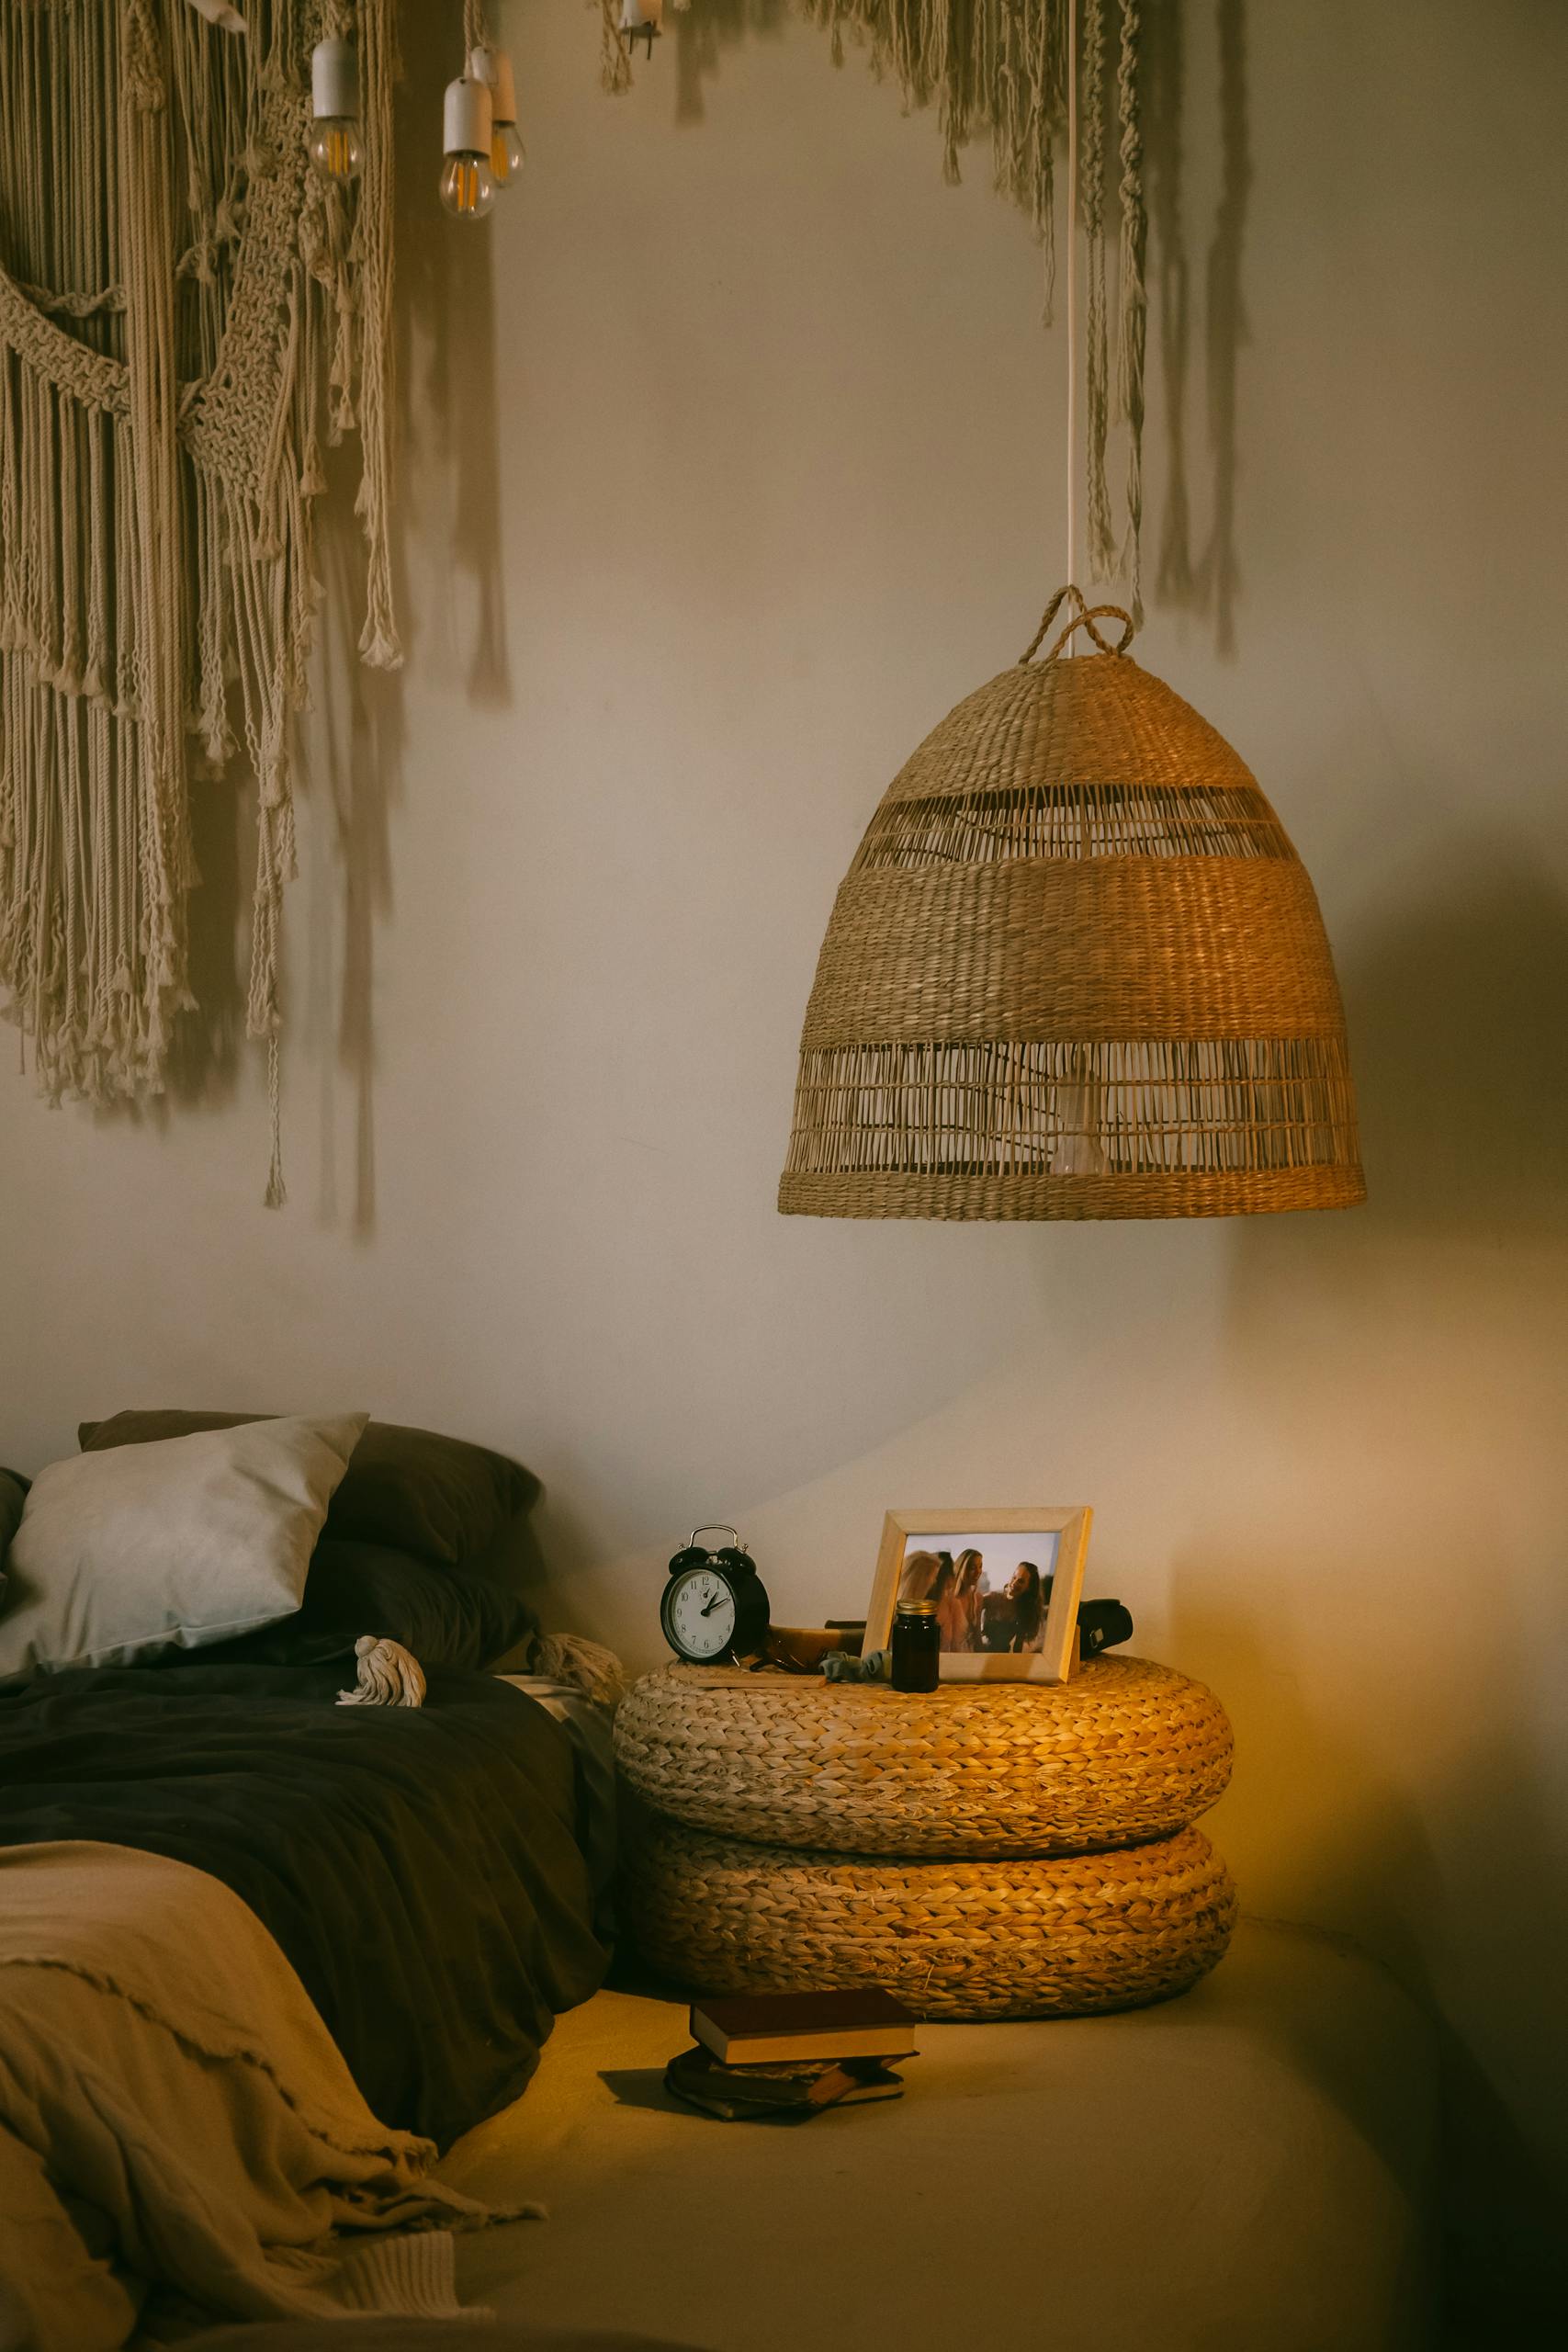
x=13, y=1495
x=439, y=1497
x=446, y=1616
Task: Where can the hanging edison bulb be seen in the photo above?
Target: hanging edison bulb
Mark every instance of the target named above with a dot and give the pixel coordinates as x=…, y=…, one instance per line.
x=493, y=67
x=334, y=145
x=642, y=20
x=467, y=180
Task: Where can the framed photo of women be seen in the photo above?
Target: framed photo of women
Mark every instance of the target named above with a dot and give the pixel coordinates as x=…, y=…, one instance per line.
x=1006, y=1585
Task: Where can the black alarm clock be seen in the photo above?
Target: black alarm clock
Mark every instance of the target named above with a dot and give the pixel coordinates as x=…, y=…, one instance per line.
x=713, y=1608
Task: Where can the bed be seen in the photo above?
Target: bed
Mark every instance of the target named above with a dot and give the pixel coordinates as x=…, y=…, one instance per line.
x=262, y=1953
x=426, y=1871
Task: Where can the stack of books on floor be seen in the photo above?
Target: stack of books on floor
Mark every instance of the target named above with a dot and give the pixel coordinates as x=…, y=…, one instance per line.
x=793, y=2055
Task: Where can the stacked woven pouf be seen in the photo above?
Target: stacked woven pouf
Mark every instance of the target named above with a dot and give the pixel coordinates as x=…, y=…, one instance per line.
x=983, y=1851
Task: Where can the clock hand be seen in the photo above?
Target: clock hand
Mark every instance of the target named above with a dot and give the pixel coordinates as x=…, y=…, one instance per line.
x=710, y=1606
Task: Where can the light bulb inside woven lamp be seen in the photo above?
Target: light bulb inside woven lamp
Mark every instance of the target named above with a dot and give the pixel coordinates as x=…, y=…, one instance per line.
x=1076, y=971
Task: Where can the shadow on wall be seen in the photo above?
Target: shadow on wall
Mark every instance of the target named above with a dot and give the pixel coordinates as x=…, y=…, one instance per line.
x=1425, y=1329
x=348, y=758
x=1460, y=1058
x=209, y=1042
x=356, y=762
x=1362, y=1856
x=350, y=747
x=1209, y=585
x=447, y=420
x=446, y=372
x=701, y=35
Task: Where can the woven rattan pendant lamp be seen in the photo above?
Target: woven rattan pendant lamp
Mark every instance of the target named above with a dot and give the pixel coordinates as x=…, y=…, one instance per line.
x=1076, y=968
x=1076, y=971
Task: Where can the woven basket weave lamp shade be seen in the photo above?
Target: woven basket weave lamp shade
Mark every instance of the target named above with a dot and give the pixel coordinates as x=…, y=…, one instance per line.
x=1076, y=971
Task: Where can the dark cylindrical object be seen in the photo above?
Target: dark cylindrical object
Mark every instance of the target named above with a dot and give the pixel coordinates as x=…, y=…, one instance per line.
x=917, y=1646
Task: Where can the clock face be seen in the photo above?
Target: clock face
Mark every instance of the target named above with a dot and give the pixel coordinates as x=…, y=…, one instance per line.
x=699, y=1613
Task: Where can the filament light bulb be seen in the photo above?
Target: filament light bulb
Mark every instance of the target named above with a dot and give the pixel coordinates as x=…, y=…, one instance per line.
x=335, y=144
x=505, y=154
x=467, y=187
x=493, y=67
x=334, y=147
x=467, y=181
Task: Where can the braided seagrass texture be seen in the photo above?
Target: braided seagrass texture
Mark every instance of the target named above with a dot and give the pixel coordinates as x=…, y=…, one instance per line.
x=1125, y=1750
x=1063, y=1936
x=1074, y=970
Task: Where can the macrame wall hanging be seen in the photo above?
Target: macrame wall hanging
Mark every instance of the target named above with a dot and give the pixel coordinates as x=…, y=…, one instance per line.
x=188, y=314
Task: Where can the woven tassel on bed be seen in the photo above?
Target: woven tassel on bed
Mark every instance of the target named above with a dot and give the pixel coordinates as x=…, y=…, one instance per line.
x=389, y=1675
x=597, y=1672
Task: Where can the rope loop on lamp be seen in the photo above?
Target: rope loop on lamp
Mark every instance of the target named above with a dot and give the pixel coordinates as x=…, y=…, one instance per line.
x=1087, y=619
x=1084, y=613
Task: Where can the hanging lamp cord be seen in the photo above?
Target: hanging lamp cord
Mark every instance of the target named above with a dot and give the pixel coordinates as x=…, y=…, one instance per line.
x=1073, y=327
x=1071, y=596
x=1084, y=615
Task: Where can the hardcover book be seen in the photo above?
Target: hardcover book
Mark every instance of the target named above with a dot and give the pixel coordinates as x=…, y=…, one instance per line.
x=777, y=2027
x=797, y=2090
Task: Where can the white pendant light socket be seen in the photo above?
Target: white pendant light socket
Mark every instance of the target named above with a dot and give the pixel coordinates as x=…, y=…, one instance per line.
x=469, y=118
x=642, y=20
x=493, y=67
x=467, y=176
x=334, y=81
x=334, y=145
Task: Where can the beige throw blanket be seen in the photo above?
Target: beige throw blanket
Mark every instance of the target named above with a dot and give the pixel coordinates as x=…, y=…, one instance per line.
x=177, y=2129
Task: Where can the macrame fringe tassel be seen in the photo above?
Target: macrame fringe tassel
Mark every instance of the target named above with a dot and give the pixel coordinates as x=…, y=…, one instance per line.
x=182, y=317
x=378, y=643
x=596, y=1671
x=614, y=57
x=389, y=1675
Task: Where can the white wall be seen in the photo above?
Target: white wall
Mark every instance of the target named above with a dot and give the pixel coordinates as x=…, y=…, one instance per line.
x=731, y=461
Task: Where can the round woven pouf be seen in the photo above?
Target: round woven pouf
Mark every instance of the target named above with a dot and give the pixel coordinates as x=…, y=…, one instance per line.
x=1125, y=1750
x=1063, y=1936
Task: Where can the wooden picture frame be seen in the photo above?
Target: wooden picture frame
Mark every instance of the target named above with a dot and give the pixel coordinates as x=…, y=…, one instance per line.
x=1053, y=1653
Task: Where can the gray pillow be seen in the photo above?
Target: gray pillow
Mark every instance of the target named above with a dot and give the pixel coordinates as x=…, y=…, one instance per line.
x=123, y=1555
x=438, y=1497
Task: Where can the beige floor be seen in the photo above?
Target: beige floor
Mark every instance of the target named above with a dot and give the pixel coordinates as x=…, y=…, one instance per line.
x=1246, y=2169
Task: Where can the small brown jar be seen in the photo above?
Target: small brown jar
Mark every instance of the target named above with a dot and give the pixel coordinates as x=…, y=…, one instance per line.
x=917, y=1646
